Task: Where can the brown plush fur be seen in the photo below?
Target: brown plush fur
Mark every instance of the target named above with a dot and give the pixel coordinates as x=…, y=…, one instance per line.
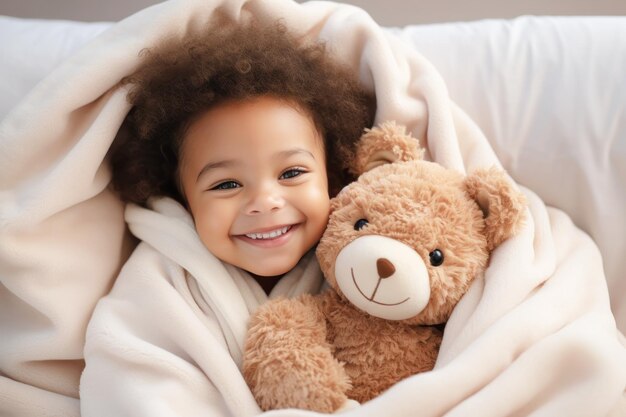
x=293, y=333
x=315, y=352
x=369, y=347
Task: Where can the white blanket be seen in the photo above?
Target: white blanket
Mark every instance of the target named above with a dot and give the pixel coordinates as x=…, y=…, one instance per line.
x=535, y=336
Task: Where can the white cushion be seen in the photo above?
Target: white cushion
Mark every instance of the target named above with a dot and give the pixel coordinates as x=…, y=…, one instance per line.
x=32, y=48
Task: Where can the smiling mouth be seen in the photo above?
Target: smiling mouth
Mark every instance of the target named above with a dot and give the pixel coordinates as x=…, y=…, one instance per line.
x=374, y=293
x=273, y=234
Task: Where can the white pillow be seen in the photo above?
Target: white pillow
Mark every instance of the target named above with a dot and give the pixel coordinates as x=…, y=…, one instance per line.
x=550, y=95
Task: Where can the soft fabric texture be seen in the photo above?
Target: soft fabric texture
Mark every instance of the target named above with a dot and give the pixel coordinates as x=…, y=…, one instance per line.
x=33, y=48
x=187, y=313
x=562, y=74
x=535, y=336
x=550, y=96
x=577, y=129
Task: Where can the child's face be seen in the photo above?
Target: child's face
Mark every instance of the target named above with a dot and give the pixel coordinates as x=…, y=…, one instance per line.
x=254, y=175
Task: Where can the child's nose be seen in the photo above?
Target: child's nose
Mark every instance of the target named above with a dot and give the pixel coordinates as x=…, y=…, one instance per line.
x=264, y=199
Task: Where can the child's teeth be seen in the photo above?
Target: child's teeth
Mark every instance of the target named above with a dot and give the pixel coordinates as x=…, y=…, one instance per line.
x=269, y=235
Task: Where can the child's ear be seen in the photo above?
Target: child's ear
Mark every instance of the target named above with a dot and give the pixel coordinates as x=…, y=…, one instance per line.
x=503, y=206
x=383, y=145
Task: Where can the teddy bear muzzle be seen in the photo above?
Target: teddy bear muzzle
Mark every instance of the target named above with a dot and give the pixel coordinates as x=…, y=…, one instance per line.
x=383, y=277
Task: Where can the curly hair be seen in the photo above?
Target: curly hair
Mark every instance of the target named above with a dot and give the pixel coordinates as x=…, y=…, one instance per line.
x=182, y=79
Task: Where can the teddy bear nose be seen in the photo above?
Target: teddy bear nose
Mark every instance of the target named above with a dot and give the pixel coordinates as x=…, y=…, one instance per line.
x=385, y=267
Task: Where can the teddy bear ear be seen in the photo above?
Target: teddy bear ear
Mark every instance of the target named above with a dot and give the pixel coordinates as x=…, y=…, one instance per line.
x=503, y=206
x=384, y=145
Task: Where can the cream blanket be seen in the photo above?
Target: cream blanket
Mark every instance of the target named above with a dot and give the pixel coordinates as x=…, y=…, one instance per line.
x=534, y=337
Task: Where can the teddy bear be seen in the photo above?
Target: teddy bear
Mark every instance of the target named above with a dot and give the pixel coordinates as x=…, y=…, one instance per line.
x=402, y=246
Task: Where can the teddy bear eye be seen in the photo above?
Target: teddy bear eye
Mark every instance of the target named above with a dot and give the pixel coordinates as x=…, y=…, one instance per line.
x=360, y=224
x=436, y=257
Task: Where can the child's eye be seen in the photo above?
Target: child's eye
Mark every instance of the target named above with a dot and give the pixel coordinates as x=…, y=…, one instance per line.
x=292, y=173
x=226, y=185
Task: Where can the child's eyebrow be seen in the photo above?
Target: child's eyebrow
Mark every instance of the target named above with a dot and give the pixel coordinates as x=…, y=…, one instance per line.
x=214, y=165
x=289, y=152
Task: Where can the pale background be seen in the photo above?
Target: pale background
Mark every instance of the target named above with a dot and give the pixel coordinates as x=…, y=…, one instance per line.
x=385, y=12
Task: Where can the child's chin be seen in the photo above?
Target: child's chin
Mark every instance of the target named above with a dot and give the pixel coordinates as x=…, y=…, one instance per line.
x=275, y=271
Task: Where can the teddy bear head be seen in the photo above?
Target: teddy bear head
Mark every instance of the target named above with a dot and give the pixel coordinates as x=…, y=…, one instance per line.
x=407, y=238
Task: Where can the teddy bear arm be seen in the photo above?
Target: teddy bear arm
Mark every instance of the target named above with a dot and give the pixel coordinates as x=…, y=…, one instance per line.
x=288, y=362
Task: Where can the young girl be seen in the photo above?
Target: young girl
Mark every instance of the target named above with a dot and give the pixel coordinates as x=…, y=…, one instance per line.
x=250, y=132
x=235, y=143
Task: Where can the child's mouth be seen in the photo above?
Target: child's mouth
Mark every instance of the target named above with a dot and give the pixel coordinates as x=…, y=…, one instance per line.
x=269, y=235
x=271, y=238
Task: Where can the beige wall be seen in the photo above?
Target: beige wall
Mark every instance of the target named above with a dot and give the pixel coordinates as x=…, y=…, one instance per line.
x=385, y=12
x=403, y=12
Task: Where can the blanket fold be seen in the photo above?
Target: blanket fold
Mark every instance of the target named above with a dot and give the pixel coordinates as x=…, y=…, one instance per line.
x=534, y=336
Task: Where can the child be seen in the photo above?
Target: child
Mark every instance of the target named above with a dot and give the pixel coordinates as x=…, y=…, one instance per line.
x=249, y=131
x=235, y=143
